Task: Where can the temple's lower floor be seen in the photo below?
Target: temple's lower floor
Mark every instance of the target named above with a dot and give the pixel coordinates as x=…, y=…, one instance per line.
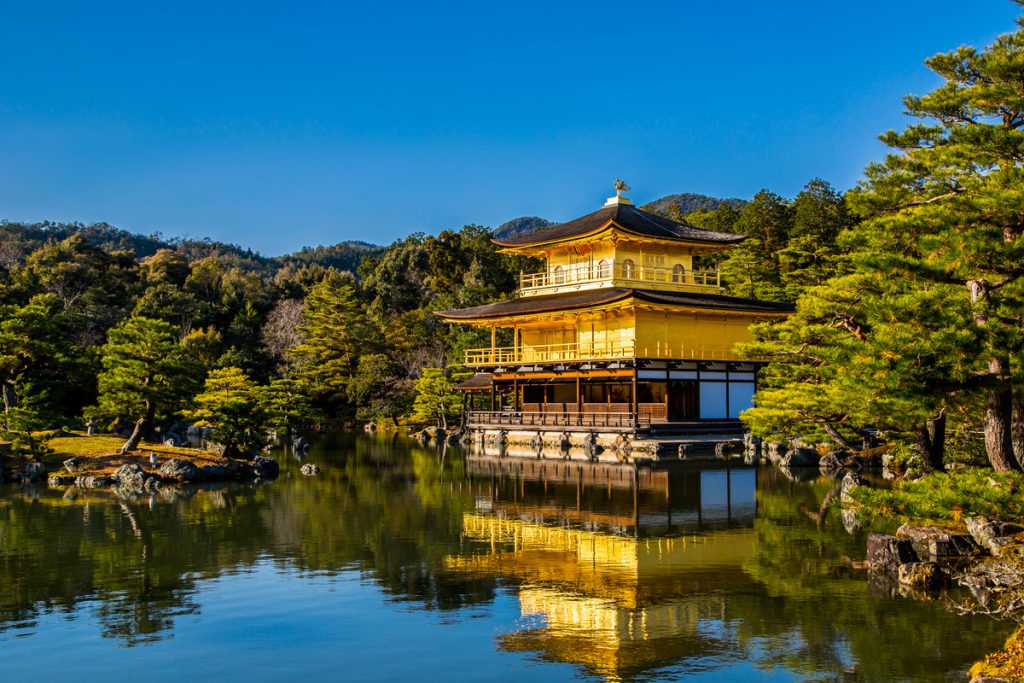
x=648, y=394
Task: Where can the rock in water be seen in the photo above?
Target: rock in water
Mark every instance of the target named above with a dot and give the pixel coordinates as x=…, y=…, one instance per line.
x=72, y=465
x=921, y=575
x=130, y=474
x=91, y=482
x=987, y=533
x=887, y=553
x=309, y=469
x=180, y=470
x=34, y=471
x=265, y=468
x=800, y=457
x=931, y=541
x=850, y=481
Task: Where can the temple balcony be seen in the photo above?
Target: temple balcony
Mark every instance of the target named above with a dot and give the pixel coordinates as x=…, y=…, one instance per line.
x=597, y=351
x=624, y=273
x=550, y=353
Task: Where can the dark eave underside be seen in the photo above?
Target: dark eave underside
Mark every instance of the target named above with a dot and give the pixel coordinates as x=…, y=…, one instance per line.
x=478, y=382
x=599, y=297
x=629, y=217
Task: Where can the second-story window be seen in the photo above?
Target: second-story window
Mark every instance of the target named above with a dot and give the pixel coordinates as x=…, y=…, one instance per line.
x=604, y=269
x=678, y=273
x=558, y=275
x=628, y=269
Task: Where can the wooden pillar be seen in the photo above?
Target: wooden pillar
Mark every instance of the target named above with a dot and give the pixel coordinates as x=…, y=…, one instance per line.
x=515, y=394
x=492, y=395
x=579, y=395
x=636, y=404
x=494, y=341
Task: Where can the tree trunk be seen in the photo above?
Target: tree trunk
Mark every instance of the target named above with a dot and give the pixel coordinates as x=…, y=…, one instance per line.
x=837, y=437
x=998, y=415
x=1017, y=428
x=10, y=402
x=931, y=443
x=141, y=425
x=998, y=419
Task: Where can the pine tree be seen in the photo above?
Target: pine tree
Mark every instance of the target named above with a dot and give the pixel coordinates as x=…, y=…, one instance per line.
x=33, y=349
x=146, y=373
x=233, y=407
x=435, y=401
x=335, y=334
x=946, y=208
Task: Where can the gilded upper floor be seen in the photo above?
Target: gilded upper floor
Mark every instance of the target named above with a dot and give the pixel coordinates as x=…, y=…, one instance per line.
x=619, y=246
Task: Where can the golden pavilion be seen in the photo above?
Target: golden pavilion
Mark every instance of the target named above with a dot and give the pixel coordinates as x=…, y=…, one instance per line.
x=619, y=333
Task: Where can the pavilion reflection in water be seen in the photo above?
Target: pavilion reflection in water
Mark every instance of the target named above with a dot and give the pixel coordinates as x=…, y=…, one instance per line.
x=619, y=569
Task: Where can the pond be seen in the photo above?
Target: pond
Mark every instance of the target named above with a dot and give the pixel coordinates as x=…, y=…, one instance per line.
x=402, y=562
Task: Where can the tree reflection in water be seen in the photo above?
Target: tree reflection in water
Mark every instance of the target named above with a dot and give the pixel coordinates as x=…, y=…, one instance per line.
x=624, y=573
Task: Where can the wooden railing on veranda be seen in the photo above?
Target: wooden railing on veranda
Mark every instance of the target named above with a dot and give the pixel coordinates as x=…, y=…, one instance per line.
x=544, y=419
x=627, y=273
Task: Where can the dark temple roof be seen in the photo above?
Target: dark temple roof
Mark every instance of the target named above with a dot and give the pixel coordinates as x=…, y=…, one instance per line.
x=529, y=305
x=478, y=382
x=630, y=218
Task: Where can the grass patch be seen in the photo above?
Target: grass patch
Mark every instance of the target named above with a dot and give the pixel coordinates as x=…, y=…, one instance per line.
x=100, y=452
x=947, y=497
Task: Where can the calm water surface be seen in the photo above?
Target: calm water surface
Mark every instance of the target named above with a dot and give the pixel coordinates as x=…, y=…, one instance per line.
x=400, y=563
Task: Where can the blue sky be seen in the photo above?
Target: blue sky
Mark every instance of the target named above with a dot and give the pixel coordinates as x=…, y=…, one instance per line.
x=277, y=125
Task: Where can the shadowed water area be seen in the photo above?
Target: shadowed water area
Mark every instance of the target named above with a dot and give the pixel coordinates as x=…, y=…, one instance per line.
x=402, y=562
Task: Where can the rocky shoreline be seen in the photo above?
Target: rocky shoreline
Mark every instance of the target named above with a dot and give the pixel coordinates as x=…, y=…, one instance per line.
x=132, y=476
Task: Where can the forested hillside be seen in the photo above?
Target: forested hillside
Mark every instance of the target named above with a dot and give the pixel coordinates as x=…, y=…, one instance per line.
x=96, y=322
x=99, y=323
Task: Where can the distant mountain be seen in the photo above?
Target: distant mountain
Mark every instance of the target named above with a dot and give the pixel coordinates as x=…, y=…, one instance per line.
x=521, y=226
x=19, y=239
x=689, y=202
x=342, y=256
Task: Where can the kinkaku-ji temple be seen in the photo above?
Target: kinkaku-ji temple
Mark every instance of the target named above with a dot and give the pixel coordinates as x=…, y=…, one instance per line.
x=620, y=334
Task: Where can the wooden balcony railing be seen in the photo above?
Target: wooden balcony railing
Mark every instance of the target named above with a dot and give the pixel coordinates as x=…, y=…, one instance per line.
x=627, y=273
x=543, y=419
x=555, y=353
x=550, y=353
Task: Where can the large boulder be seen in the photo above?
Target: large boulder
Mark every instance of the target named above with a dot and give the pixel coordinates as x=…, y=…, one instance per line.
x=180, y=470
x=850, y=482
x=131, y=475
x=775, y=452
x=987, y=532
x=800, y=457
x=214, y=473
x=93, y=482
x=265, y=468
x=935, y=542
x=887, y=553
x=924, y=575
x=34, y=471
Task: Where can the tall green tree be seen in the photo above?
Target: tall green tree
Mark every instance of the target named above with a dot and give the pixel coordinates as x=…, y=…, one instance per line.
x=752, y=269
x=435, y=401
x=33, y=349
x=233, y=407
x=147, y=373
x=335, y=333
x=946, y=208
